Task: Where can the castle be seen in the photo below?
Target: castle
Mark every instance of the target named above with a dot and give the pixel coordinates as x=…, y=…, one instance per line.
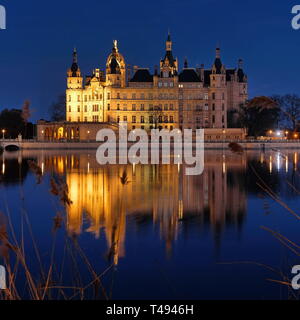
x=192, y=98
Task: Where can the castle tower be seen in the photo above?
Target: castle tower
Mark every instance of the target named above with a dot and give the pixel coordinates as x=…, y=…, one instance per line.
x=74, y=80
x=218, y=93
x=242, y=82
x=74, y=91
x=116, y=68
x=169, y=65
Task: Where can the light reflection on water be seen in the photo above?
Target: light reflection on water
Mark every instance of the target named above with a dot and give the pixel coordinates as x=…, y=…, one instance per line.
x=176, y=207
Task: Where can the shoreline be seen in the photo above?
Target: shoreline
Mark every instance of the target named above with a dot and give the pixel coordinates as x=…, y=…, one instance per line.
x=217, y=145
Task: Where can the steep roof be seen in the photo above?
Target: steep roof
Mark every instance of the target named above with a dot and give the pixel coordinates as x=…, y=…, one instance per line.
x=229, y=73
x=218, y=64
x=142, y=75
x=241, y=75
x=207, y=74
x=189, y=75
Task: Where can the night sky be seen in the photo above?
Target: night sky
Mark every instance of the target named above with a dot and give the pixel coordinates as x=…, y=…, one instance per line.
x=36, y=48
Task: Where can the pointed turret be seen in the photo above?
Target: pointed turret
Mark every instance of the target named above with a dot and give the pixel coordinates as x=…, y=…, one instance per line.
x=75, y=70
x=74, y=74
x=169, y=43
x=218, y=63
x=169, y=65
x=240, y=72
x=186, y=64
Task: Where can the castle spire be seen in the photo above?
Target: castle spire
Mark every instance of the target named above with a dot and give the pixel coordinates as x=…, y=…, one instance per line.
x=240, y=72
x=186, y=65
x=169, y=42
x=218, y=63
x=240, y=64
x=75, y=58
x=115, y=47
x=75, y=71
x=169, y=36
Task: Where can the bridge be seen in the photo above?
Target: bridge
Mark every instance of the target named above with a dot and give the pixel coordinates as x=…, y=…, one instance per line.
x=7, y=144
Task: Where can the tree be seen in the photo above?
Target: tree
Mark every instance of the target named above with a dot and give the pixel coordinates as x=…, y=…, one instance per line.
x=259, y=115
x=58, y=109
x=12, y=122
x=290, y=107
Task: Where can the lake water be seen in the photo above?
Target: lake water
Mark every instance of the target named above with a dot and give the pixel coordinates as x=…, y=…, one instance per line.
x=152, y=231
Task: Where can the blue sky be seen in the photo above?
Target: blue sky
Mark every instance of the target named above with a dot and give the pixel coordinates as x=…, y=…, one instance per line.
x=37, y=46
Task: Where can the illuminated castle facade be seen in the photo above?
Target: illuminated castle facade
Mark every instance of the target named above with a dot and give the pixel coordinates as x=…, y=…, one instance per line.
x=191, y=98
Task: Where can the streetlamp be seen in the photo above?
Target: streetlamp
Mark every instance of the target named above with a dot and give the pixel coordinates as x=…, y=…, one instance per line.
x=287, y=135
x=88, y=135
x=224, y=131
x=3, y=132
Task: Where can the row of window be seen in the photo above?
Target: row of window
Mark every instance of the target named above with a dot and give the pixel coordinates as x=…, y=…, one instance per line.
x=152, y=119
x=95, y=108
x=151, y=107
x=166, y=107
x=166, y=84
x=161, y=96
x=85, y=119
x=87, y=98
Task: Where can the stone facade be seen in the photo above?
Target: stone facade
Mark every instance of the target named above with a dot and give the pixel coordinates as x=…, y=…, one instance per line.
x=87, y=132
x=191, y=98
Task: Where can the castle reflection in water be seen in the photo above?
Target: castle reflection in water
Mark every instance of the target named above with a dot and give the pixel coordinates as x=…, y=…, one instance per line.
x=160, y=195
x=163, y=195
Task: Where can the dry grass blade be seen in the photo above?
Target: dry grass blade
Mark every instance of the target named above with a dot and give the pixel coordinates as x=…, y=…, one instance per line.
x=36, y=170
x=288, y=243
